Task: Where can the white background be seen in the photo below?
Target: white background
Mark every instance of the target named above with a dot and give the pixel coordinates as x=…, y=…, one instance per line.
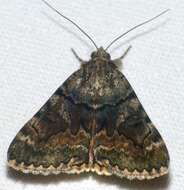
x=35, y=59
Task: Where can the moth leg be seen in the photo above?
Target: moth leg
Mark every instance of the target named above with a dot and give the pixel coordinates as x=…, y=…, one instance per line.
x=78, y=58
x=118, y=60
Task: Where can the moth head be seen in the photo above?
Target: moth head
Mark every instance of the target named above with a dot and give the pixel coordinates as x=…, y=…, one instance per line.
x=100, y=54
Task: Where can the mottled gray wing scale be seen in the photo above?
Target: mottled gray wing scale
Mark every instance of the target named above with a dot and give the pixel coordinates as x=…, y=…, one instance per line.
x=130, y=146
x=52, y=141
x=93, y=122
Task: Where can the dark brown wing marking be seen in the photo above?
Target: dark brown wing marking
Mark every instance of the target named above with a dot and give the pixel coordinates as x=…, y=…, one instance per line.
x=93, y=122
x=54, y=140
x=129, y=145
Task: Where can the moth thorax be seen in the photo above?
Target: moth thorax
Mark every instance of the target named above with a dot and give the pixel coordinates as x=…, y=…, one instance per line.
x=100, y=56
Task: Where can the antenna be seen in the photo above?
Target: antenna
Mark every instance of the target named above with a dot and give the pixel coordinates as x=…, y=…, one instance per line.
x=136, y=27
x=71, y=22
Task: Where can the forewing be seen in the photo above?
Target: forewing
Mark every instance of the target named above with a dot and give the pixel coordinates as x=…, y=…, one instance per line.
x=52, y=141
x=127, y=144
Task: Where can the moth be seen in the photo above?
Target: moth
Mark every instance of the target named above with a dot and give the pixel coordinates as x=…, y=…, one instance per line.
x=93, y=122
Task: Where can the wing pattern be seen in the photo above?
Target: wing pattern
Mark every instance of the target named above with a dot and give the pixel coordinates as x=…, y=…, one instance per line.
x=93, y=122
x=129, y=145
x=53, y=140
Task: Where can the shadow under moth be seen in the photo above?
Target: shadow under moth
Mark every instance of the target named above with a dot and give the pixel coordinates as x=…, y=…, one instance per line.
x=93, y=122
